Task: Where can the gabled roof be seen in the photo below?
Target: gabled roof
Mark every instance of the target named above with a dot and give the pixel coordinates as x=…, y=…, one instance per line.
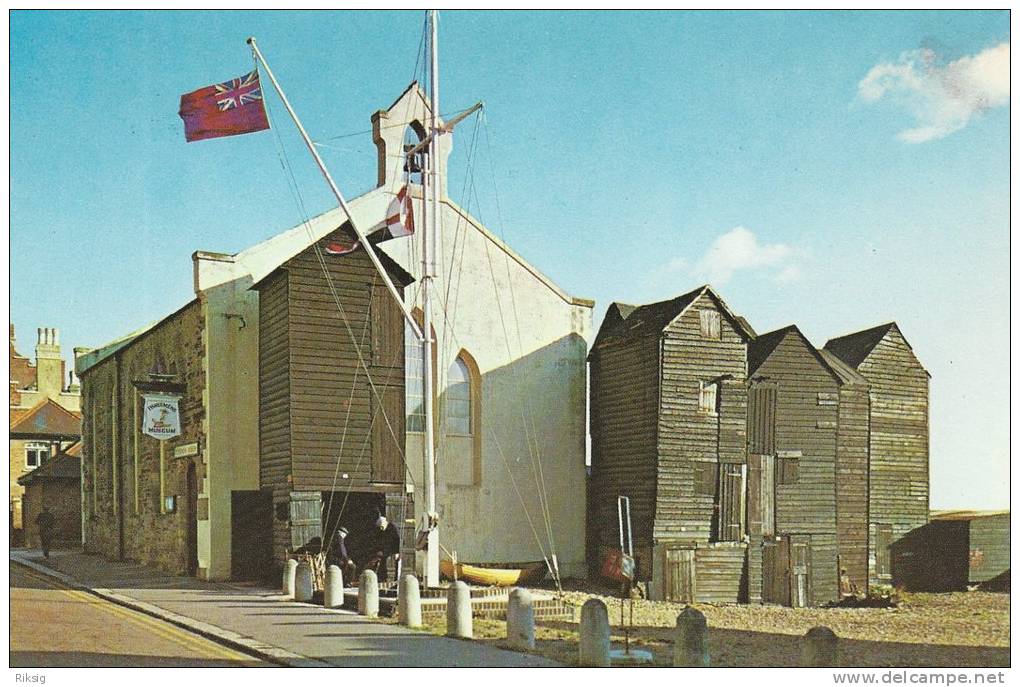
x=63, y=466
x=854, y=348
x=653, y=318
x=759, y=350
x=47, y=420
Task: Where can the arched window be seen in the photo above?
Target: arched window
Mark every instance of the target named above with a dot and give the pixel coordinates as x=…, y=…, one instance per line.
x=458, y=399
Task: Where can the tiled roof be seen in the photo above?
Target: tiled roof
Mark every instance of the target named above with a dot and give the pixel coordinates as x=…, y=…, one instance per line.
x=47, y=420
x=64, y=465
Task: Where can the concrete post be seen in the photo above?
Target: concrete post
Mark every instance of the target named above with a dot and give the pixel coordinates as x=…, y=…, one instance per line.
x=690, y=644
x=520, y=620
x=409, y=601
x=594, y=644
x=458, y=611
x=820, y=648
x=304, y=584
x=289, y=574
x=333, y=594
x=368, y=594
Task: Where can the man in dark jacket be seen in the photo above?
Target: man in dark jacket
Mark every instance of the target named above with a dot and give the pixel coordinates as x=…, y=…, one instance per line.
x=383, y=542
x=45, y=522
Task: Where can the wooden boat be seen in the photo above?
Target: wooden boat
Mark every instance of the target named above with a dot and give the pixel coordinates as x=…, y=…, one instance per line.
x=494, y=575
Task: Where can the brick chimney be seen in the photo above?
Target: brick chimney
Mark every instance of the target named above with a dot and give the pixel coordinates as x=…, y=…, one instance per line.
x=49, y=366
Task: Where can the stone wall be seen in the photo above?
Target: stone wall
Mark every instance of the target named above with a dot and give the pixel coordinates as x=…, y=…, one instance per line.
x=124, y=508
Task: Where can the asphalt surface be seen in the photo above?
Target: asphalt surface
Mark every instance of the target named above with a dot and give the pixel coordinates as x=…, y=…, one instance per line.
x=52, y=625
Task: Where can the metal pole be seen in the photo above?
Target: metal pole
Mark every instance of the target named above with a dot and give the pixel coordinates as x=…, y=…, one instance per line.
x=339, y=196
x=428, y=273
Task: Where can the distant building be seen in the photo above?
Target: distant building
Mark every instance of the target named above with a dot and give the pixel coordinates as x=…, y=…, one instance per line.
x=44, y=413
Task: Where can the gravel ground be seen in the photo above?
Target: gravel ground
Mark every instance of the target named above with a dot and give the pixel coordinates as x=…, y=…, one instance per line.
x=927, y=630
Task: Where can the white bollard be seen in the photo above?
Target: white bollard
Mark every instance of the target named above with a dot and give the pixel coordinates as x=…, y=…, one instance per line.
x=458, y=611
x=333, y=594
x=593, y=651
x=409, y=601
x=304, y=584
x=520, y=620
x=690, y=644
x=289, y=573
x=368, y=594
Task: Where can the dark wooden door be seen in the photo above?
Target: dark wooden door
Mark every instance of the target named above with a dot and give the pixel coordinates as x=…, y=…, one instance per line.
x=251, y=530
x=680, y=577
x=776, y=572
x=731, y=501
x=305, y=517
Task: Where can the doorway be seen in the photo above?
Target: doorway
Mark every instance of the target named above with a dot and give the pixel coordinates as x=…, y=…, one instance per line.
x=191, y=519
x=786, y=570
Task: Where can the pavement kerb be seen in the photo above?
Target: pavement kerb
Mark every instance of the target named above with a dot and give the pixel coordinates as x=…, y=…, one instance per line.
x=267, y=652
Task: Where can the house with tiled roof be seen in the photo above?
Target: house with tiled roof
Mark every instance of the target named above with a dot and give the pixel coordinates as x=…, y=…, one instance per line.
x=44, y=413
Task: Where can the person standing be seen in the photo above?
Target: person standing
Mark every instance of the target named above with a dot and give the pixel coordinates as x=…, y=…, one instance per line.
x=45, y=522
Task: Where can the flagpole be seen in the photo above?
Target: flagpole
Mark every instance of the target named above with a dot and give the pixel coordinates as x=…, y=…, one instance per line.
x=428, y=274
x=390, y=286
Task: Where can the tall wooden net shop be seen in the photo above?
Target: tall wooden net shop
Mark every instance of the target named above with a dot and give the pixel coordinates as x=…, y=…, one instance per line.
x=759, y=468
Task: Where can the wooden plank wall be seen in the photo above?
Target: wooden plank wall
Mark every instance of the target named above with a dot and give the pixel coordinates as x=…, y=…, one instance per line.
x=687, y=437
x=852, y=482
x=624, y=407
x=719, y=573
x=989, y=548
x=898, y=478
x=332, y=405
x=806, y=416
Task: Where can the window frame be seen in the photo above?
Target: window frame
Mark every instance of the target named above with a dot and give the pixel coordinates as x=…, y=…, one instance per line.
x=705, y=408
x=35, y=447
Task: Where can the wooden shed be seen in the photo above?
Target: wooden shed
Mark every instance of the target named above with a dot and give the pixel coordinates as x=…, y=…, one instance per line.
x=331, y=378
x=898, y=438
x=956, y=550
x=668, y=430
x=792, y=427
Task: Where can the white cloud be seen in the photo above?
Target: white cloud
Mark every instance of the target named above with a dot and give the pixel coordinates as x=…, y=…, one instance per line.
x=942, y=98
x=739, y=249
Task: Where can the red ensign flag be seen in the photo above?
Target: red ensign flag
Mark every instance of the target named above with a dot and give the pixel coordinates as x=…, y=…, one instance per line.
x=224, y=109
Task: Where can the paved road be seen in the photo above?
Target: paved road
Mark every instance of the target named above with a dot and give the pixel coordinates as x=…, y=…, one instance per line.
x=52, y=625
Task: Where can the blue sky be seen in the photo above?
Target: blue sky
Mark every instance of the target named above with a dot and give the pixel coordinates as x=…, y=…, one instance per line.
x=830, y=169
